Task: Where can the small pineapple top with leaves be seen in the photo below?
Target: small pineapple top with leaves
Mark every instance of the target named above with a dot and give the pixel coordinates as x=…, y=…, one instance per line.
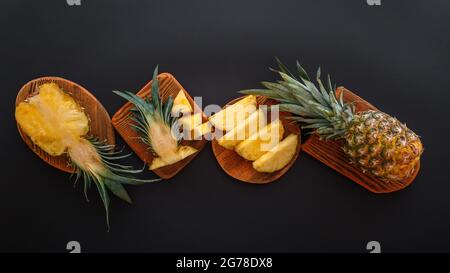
x=150, y=111
x=157, y=128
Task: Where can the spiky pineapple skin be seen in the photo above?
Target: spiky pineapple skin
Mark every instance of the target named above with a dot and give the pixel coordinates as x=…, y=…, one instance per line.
x=382, y=146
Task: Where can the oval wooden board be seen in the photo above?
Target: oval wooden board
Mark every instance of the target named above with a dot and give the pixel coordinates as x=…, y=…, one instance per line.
x=168, y=86
x=242, y=169
x=99, y=120
x=331, y=154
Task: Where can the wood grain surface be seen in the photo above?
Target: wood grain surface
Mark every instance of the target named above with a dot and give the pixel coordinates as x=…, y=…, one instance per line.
x=99, y=120
x=168, y=86
x=242, y=169
x=331, y=154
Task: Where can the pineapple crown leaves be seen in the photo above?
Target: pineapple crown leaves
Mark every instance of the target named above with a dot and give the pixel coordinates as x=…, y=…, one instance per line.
x=113, y=176
x=148, y=110
x=314, y=105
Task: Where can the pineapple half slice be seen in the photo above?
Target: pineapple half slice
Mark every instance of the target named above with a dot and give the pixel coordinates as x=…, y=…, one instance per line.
x=244, y=130
x=52, y=119
x=181, y=105
x=278, y=157
x=229, y=118
x=261, y=142
x=56, y=123
x=155, y=125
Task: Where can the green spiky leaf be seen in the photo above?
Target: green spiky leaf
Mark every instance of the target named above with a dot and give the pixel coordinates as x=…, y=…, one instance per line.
x=110, y=176
x=314, y=105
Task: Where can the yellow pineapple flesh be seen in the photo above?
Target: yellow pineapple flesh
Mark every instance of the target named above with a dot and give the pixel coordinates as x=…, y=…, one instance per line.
x=170, y=158
x=244, y=130
x=181, y=104
x=278, y=157
x=229, y=118
x=189, y=122
x=202, y=130
x=52, y=119
x=261, y=142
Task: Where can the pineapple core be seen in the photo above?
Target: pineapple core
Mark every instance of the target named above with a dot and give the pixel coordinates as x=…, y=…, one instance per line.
x=165, y=146
x=162, y=141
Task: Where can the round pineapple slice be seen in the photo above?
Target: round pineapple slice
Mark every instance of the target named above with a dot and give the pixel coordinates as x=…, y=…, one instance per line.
x=278, y=157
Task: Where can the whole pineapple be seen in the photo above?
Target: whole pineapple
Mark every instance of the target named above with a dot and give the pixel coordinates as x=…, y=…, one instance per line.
x=374, y=141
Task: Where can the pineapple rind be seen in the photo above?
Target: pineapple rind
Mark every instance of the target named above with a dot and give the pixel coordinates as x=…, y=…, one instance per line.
x=382, y=146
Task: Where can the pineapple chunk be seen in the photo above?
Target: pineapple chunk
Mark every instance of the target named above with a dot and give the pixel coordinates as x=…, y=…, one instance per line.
x=181, y=104
x=229, y=118
x=278, y=157
x=180, y=154
x=52, y=119
x=261, y=142
x=189, y=122
x=244, y=130
x=202, y=130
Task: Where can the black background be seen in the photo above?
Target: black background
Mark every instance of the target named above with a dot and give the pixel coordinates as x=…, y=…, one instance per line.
x=395, y=55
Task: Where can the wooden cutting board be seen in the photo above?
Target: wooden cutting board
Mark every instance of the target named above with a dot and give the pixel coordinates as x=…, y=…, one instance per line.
x=331, y=154
x=242, y=169
x=168, y=86
x=99, y=120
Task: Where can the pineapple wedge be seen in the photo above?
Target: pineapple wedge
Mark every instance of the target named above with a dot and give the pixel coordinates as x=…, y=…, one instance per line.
x=181, y=104
x=189, y=122
x=202, y=130
x=278, y=157
x=243, y=131
x=261, y=142
x=180, y=154
x=229, y=118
